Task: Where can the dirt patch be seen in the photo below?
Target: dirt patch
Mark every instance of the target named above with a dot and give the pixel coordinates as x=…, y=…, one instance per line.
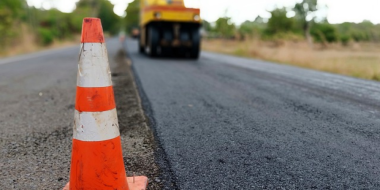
x=137, y=138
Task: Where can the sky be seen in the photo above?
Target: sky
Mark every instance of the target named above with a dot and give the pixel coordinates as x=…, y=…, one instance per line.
x=337, y=11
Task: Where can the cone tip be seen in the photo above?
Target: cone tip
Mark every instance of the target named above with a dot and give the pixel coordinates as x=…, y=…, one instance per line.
x=92, y=31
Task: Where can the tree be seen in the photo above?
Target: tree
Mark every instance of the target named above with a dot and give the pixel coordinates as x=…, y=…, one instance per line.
x=224, y=27
x=246, y=28
x=324, y=32
x=364, y=31
x=84, y=8
x=110, y=21
x=259, y=20
x=250, y=28
x=14, y=6
x=305, y=14
x=132, y=18
x=206, y=26
x=102, y=9
x=91, y=5
x=279, y=22
x=52, y=24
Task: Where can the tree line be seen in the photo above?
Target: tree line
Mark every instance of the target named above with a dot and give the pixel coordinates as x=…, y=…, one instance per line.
x=303, y=25
x=52, y=24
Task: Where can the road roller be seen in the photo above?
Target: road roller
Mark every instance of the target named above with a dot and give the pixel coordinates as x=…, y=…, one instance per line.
x=168, y=27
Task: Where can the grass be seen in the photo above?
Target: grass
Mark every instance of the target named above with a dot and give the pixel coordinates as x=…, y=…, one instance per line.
x=356, y=60
x=26, y=43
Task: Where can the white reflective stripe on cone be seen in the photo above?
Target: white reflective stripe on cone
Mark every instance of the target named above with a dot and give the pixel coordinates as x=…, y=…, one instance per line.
x=93, y=67
x=96, y=126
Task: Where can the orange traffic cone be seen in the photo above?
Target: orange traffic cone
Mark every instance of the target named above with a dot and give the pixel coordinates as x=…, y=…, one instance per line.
x=97, y=159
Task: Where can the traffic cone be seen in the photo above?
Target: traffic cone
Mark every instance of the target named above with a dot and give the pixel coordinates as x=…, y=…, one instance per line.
x=97, y=159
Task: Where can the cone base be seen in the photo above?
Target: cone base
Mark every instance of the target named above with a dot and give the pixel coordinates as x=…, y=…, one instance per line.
x=134, y=183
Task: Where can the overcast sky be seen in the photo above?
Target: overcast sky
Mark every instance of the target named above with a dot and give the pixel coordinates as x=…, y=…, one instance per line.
x=337, y=11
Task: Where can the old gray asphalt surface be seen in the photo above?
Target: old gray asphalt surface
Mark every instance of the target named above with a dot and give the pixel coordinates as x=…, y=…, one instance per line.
x=37, y=97
x=232, y=123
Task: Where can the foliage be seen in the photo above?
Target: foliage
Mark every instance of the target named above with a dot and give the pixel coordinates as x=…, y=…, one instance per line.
x=110, y=21
x=50, y=25
x=250, y=28
x=132, y=18
x=46, y=36
x=345, y=39
x=324, y=32
x=56, y=22
x=279, y=22
x=364, y=31
x=206, y=26
x=224, y=27
x=10, y=11
x=83, y=9
x=247, y=28
x=102, y=9
x=305, y=14
x=88, y=4
x=13, y=6
x=306, y=9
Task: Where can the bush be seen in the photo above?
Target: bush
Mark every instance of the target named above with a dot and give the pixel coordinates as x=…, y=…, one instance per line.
x=345, y=39
x=224, y=27
x=45, y=36
x=324, y=32
x=280, y=23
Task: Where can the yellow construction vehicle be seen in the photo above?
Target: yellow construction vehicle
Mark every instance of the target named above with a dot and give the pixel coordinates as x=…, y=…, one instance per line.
x=168, y=27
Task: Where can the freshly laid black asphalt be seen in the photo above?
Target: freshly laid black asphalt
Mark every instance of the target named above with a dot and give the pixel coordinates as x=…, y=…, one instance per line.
x=224, y=122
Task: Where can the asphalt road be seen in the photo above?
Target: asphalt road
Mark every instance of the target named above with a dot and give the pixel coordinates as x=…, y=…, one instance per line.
x=224, y=122
x=37, y=97
x=37, y=105
x=221, y=122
